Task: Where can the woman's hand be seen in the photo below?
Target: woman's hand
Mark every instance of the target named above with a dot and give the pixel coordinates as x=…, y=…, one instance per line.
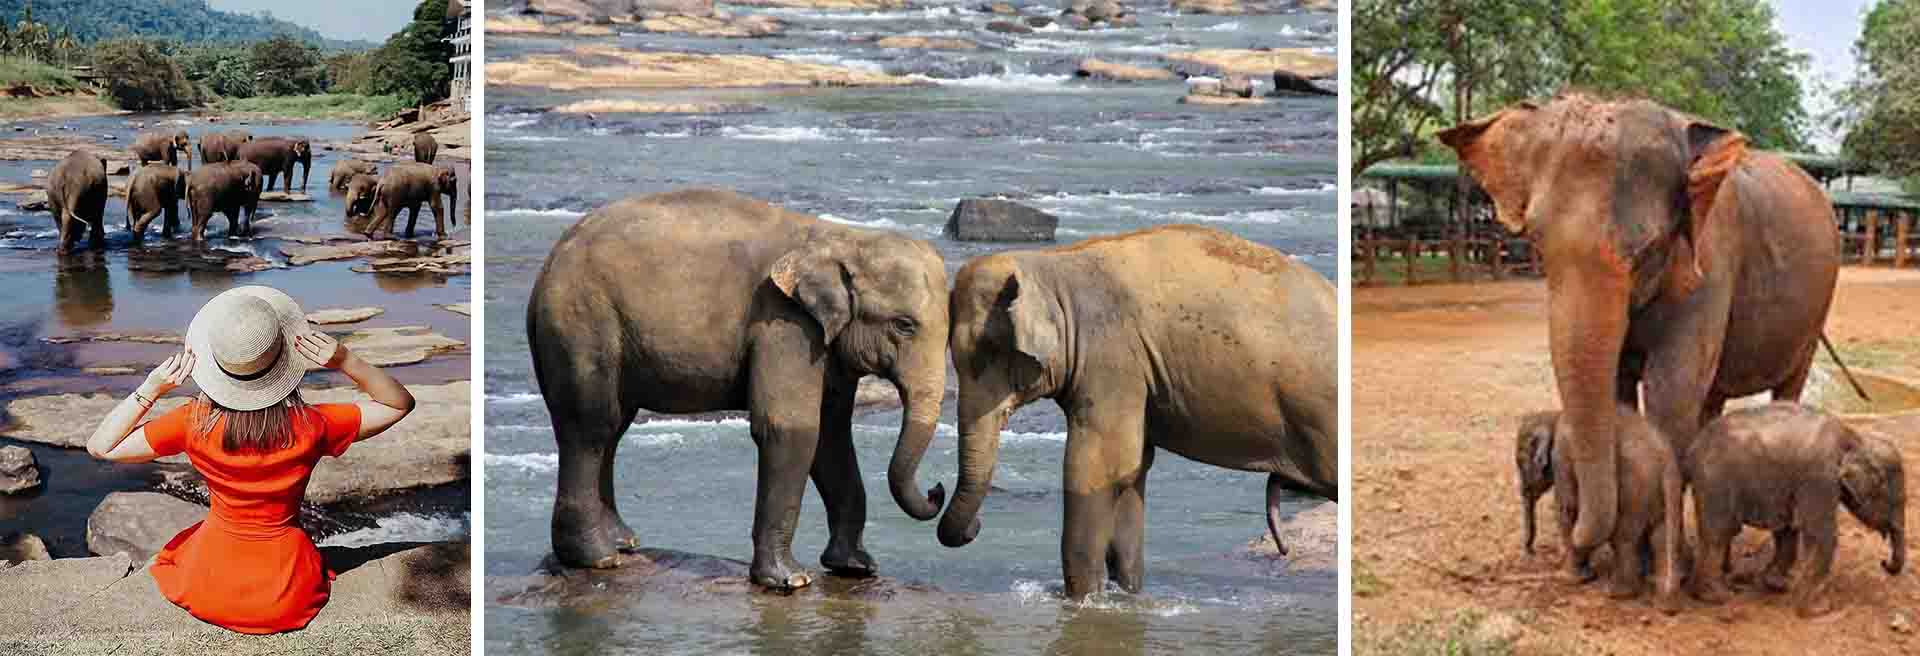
x=323, y=350
x=170, y=374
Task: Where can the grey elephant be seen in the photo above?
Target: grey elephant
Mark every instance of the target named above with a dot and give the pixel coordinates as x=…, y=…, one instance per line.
x=1786, y=468
x=153, y=191
x=1648, y=523
x=276, y=156
x=1180, y=338
x=360, y=195
x=403, y=187
x=705, y=300
x=425, y=148
x=231, y=188
x=222, y=146
x=345, y=169
x=77, y=195
x=163, y=147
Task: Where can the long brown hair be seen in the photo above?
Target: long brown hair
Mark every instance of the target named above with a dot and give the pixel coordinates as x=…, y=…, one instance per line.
x=252, y=431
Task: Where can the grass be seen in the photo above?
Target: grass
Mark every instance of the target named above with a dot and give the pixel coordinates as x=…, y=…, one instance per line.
x=1366, y=583
x=326, y=106
x=1460, y=635
x=23, y=71
x=68, y=96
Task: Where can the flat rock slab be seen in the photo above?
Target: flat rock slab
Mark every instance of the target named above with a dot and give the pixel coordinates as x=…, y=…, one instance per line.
x=716, y=27
x=1105, y=70
x=138, y=338
x=925, y=43
x=160, y=256
x=444, y=264
x=139, y=523
x=285, y=197
x=686, y=577
x=1220, y=101
x=457, y=308
x=824, y=4
x=400, y=345
x=388, y=599
x=53, y=148
x=504, y=24
x=305, y=255
x=333, y=316
x=1258, y=63
x=608, y=67
x=650, y=107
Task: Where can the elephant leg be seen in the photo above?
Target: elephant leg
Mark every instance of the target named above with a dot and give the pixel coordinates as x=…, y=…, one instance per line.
x=1681, y=369
x=1789, y=389
x=1566, y=500
x=1786, y=550
x=138, y=226
x=836, y=474
x=1275, y=488
x=785, y=396
x=97, y=239
x=1628, y=563
x=1718, y=524
x=1127, y=554
x=1815, y=513
x=1104, y=455
x=413, y=217
x=439, y=216
x=588, y=420
x=172, y=223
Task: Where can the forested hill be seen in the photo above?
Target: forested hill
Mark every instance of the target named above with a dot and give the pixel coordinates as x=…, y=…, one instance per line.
x=191, y=21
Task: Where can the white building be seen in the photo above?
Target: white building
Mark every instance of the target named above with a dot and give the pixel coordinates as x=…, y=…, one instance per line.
x=462, y=15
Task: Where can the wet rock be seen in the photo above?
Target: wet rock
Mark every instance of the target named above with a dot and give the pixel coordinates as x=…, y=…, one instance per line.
x=690, y=578
x=876, y=394
x=611, y=11
x=1008, y=27
x=652, y=107
x=946, y=68
x=403, y=345
x=1103, y=70
x=109, y=371
x=457, y=308
x=507, y=24
x=285, y=197
x=22, y=547
x=137, y=338
x=1313, y=539
x=305, y=255
x=1076, y=22
x=441, y=264
x=869, y=5
x=1232, y=86
x=1221, y=101
x=1001, y=8
x=1256, y=63
x=53, y=148
x=343, y=315
x=1289, y=83
x=1097, y=13
x=608, y=67
x=18, y=471
x=139, y=523
x=991, y=219
x=1039, y=21
x=926, y=43
x=745, y=27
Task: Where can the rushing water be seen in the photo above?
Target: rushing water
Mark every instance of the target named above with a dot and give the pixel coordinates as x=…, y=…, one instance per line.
x=1006, y=120
x=128, y=290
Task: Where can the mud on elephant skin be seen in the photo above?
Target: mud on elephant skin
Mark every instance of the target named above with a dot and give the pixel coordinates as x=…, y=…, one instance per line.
x=1180, y=338
x=154, y=191
x=1676, y=258
x=1786, y=468
x=77, y=196
x=705, y=300
x=1648, y=534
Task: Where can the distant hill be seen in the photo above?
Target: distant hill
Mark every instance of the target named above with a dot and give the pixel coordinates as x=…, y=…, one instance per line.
x=191, y=21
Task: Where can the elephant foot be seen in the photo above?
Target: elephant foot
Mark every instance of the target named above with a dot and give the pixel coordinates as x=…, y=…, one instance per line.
x=1712, y=593
x=589, y=542
x=1578, y=574
x=1620, y=590
x=780, y=576
x=586, y=556
x=851, y=562
x=1815, y=606
x=1775, y=581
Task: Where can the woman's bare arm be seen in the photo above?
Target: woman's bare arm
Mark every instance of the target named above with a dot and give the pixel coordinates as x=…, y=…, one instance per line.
x=391, y=401
x=116, y=439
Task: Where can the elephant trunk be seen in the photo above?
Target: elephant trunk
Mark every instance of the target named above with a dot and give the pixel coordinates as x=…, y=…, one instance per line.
x=453, y=219
x=920, y=414
x=1587, y=319
x=979, y=453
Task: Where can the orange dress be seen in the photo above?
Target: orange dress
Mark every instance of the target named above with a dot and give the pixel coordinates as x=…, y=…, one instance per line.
x=249, y=567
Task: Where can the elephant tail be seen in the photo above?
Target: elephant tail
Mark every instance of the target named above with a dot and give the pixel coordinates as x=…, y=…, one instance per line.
x=1857, y=389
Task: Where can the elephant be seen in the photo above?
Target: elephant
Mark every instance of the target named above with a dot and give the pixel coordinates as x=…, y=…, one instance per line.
x=1675, y=257
x=77, y=195
x=153, y=191
x=425, y=148
x=344, y=171
x=160, y=147
x=276, y=156
x=404, y=187
x=360, y=194
x=231, y=188
x=1178, y=337
x=1784, y=467
x=704, y=300
x=222, y=146
x=1649, y=520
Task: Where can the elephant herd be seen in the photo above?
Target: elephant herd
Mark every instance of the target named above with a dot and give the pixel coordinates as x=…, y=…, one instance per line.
x=1683, y=270
x=235, y=169
x=1179, y=337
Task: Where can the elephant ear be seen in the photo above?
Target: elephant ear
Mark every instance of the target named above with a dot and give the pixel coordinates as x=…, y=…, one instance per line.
x=1713, y=152
x=1035, y=333
x=1486, y=155
x=819, y=282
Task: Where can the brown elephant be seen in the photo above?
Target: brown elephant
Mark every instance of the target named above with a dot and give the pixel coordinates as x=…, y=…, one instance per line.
x=231, y=188
x=425, y=148
x=222, y=146
x=1785, y=467
x=360, y=195
x=1178, y=337
x=404, y=187
x=155, y=190
x=162, y=147
x=1648, y=525
x=344, y=171
x=276, y=156
x=77, y=195
x=1675, y=258
x=705, y=300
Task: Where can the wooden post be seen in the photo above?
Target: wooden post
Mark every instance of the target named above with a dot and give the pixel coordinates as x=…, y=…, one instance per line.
x=1413, y=248
x=1900, y=221
x=1872, y=247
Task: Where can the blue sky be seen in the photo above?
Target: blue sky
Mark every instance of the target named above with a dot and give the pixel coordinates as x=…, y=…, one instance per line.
x=367, y=20
x=1826, y=30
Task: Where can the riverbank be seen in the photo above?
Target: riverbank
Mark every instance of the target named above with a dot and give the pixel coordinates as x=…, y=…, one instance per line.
x=337, y=106
x=59, y=106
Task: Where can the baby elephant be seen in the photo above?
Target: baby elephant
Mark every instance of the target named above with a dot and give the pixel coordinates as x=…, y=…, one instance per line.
x=1648, y=523
x=1785, y=467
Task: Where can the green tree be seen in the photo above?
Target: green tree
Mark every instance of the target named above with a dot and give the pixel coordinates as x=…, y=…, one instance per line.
x=140, y=76
x=287, y=67
x=412, y=65
x=1880, y=107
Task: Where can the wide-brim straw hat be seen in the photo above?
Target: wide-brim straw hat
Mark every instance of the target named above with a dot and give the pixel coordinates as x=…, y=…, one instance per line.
x=242, y=344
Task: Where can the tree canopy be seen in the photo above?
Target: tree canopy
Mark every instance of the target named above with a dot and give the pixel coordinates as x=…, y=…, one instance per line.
x=1421, y=65
x=190, y=21
x=141, y=76
x=1880, y=107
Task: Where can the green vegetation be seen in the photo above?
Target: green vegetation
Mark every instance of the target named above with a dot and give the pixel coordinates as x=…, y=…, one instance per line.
x=1366, y=583
x=346, y=106
x=1461, y=635
x=413, y=63
x=187, y=21
x=17, y=71
x=140, y=76
x=1418, y=64
x=1880, y=108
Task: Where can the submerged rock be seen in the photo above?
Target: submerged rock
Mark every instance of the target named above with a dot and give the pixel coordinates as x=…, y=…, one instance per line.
x=22, y=547
x=18, y=471
x=285, y=197
x=1095, y=13
x=1008, y=27
x=1256, y=63
x=1220, y=101
x=992, y=219
x=1103, y=70
x=346, y=315
x=139, y=523
x=457, y=308
x=1313, y=539
x=688, y=577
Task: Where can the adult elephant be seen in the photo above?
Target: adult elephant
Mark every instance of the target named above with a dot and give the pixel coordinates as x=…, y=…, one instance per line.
x=704, y=300
x=277, y=156
x=344, y=171
x=222, y=146
x=162, y=147
x=1180, y=338
x=404, y=187
x=154, y=191
x=425, y=148
x=360, y=194
x=77, y=195
x=230, y=188
x=1676, y=258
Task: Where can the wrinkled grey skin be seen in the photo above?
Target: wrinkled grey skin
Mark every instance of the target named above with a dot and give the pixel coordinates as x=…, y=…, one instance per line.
x=162, y=147
x=230, y=188
x=1180, y=338
x=706, y=300
x=360, y=194
x=222, y=146
x=276, y=157
x=1648, y=524
x=404, y=187
x=1785, y=467
x=425, y=148
x=345, y=169
x=153, y=191
x=77, y=195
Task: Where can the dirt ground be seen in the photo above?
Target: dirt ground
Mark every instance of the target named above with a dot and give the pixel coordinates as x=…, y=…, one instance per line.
x=1440, y=375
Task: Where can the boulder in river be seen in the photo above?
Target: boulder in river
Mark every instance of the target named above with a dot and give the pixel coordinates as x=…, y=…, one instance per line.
x=744, y=27
x=22, y=547
x=1039, y=21
x=926, y=43
x=1105, y=70
x=18, y=471
x=609, y=67
x=620, y=106
x=139, y=523
x=1255, y=63
x=1008, y=27
x=1290, y=83
x=993, y=219
x=503, y=24
x=1096, y=13
x=1001, y=8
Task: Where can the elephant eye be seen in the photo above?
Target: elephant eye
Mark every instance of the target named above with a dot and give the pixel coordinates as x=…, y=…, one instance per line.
x=905, y=326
